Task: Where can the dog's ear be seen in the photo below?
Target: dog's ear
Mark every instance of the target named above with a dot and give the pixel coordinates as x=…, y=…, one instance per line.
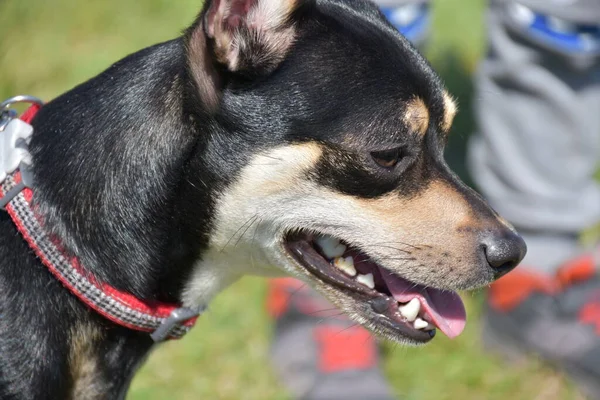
x=248, y=37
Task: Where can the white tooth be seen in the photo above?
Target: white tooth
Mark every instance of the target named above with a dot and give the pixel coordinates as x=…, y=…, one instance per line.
x=366, y=280
x=330, y=246
x=411, y=309
x=420, y=323
x=346, y=265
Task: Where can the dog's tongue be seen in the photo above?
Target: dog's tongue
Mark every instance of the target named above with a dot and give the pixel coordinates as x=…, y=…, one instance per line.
x=445, y=308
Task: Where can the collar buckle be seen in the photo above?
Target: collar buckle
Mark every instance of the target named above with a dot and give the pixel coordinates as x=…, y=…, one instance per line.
x=177, y=317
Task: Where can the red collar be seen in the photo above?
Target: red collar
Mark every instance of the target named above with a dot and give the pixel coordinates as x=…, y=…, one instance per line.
x=160, y=319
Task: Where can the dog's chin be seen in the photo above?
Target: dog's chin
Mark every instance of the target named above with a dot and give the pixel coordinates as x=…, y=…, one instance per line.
x=387, y=304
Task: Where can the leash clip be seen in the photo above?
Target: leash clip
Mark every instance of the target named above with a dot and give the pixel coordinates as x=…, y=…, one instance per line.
x=176, y=318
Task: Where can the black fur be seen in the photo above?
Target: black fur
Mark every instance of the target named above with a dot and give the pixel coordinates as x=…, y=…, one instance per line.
x=128, y=166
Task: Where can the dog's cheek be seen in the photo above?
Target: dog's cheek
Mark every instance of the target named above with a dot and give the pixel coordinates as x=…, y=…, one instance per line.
x=261, y=199
x=251, y=215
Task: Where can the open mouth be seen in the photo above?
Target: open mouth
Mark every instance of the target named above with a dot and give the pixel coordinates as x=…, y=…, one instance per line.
x=413, y=310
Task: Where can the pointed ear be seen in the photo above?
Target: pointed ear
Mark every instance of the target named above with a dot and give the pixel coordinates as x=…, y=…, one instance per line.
x=250, y=36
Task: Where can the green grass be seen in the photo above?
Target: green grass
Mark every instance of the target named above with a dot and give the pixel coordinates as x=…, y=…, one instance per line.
x=48, y=47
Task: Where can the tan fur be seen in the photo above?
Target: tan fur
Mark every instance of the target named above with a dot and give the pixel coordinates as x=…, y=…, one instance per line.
x=83, y=363
x=431, y=229
x=417, y=116
x=438, y=202
x=450, y=110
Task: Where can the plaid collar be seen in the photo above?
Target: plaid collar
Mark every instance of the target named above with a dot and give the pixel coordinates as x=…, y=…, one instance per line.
x=161, y=320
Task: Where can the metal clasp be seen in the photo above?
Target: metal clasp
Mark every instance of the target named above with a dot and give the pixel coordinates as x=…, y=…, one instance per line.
x=176, y=318
x=7, y=114
x=5, y=105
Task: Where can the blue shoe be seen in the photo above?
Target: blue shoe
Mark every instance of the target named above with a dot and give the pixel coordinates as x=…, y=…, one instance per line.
x=412, y=20
x=558, y=34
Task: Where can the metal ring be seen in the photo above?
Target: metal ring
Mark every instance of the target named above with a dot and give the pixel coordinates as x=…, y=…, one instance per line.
x=20, y=99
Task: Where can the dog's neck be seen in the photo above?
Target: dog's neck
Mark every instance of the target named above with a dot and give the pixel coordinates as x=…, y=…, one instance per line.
x=119, y=185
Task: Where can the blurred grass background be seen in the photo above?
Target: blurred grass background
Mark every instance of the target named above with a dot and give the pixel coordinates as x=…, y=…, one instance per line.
x=47, y=47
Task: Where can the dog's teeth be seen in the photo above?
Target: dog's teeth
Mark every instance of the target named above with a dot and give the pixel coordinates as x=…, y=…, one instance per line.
x=427, y=319
x=411, y=309
x=330, y=246
x=346, y=265
x=366, y=280
x=420, y=323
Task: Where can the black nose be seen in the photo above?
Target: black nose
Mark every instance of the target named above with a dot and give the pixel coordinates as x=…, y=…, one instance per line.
x=503, y=250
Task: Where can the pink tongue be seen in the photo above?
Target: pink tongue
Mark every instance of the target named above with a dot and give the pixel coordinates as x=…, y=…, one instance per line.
x=446, y=309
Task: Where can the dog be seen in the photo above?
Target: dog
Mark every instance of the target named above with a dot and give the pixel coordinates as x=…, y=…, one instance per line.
x=297, y=137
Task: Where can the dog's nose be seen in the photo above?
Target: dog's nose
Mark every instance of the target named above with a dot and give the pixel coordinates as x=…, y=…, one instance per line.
x=503, y=251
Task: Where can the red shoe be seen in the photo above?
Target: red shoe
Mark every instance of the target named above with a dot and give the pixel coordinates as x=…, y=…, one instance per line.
x=317, y=351
x=555, y=317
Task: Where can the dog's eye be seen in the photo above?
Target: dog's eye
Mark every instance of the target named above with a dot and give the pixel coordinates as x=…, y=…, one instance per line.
x=388, y=159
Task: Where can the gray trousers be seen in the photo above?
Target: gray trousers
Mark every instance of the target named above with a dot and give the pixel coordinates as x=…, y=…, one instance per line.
x=537, y=108
x=538, y=142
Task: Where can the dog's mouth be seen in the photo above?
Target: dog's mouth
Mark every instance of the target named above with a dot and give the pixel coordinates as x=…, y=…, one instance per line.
x=408, y=308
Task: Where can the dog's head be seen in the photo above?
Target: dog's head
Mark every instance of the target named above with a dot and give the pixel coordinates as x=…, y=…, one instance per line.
x=327, y=130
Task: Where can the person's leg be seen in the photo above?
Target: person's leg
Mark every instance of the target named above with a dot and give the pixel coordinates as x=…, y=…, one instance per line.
x=534, y=158
x=538, y=145
x=318, y=353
